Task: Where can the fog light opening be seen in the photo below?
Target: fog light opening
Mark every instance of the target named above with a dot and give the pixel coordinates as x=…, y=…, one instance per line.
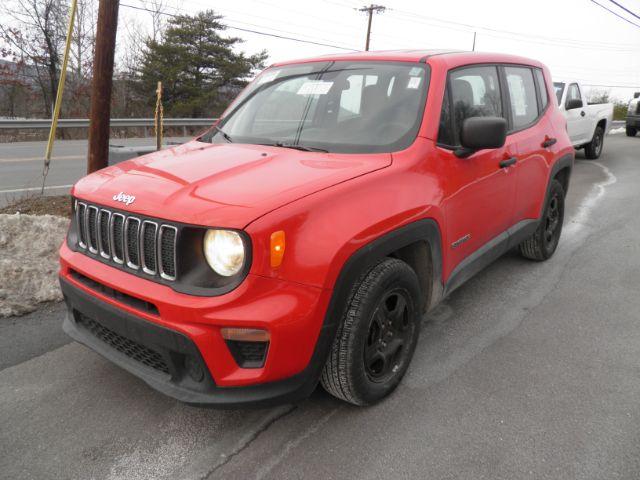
x=194, y=368
x=248, y=346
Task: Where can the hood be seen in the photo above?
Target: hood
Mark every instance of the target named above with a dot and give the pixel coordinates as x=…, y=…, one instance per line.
x=225, y=185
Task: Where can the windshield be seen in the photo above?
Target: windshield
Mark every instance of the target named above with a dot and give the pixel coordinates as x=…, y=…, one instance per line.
x=559, y=88
x=348, y=107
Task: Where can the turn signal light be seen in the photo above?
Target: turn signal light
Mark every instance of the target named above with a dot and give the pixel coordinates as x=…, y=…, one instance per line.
x=277, y=248
x=245, y=334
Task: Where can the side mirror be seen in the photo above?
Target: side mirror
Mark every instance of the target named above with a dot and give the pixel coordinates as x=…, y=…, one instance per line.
x=636, y=95
x=573, y=103
x=479, y=133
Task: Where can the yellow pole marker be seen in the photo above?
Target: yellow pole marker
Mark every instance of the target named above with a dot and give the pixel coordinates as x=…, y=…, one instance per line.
x=58, y=104
x=159, y=116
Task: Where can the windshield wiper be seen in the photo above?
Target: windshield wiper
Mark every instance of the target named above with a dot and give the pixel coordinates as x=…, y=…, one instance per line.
x=294, y=146
x=224, y=134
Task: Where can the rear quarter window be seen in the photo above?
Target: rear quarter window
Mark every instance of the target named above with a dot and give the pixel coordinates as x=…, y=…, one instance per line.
x=542, y=88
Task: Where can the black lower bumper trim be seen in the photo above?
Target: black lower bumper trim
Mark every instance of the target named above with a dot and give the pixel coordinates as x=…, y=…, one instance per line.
x=633, y=122
x=178, y=352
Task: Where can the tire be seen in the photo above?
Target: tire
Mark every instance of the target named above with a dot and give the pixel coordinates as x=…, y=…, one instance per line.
x=631, y=131
x=593, y=149
x=377, y=335
x=543, y=243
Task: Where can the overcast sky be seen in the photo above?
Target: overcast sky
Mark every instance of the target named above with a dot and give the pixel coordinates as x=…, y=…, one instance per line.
x=577, y=39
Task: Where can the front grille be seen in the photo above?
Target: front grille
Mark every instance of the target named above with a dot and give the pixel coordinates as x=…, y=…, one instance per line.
x=132, y=242
x=92, y=229
x=149, y=246
x=140, y=353
x=127, y=240
x=168, y=251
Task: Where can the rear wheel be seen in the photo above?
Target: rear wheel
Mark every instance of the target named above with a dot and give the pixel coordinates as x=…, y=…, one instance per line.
x=593, y=149
x=377, y=335
x=543, y=243
x=631, y=131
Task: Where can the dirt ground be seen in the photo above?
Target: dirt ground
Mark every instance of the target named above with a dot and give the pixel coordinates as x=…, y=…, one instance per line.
x=59, y=205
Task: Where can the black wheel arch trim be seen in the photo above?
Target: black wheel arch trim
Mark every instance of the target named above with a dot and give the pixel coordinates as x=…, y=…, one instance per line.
x=361, y=261
x=564, y=162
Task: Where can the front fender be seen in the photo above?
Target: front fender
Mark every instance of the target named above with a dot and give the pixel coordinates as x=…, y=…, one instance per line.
x=326, y=229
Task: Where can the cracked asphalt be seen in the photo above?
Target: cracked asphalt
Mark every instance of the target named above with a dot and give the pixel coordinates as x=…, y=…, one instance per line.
x=530, y=370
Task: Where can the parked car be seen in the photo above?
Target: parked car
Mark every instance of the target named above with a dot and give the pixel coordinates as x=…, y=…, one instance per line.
x=304, y=236
x=587, y=123
x=632, y=122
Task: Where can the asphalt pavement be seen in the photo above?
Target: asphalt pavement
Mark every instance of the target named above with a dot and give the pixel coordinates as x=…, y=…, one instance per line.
x=21, y=165
x=530, y=370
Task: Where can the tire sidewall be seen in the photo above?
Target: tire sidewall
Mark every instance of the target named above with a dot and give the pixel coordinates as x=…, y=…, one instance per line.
x=547, y=249
x=597, y=149
x=401, y=278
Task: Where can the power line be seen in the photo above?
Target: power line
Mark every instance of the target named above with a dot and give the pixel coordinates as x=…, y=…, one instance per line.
x=616, y=14
x=579, y=44
x=624, y=8
x=248, y=30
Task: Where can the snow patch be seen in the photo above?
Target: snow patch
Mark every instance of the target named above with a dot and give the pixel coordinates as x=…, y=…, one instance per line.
x=616, y=131
x=29, y=261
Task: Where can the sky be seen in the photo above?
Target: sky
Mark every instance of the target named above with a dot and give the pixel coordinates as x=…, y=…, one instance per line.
x=576, y=39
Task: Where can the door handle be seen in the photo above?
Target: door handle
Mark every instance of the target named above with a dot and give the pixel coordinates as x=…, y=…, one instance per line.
x=582, y=114
x=548, y=142
x=508, y=162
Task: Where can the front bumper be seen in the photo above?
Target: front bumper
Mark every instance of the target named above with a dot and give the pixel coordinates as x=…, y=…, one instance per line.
x=633, y=121
x=163, y=345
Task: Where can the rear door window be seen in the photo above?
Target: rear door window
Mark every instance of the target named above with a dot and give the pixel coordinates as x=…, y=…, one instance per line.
x=522, y=96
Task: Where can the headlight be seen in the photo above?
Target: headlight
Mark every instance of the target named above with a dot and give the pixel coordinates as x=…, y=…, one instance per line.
x=224, y=251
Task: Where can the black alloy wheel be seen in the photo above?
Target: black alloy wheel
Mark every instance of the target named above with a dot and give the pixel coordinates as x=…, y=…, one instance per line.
x=390, y=331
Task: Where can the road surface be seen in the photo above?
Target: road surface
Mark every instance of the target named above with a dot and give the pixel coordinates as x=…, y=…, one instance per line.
x=21, y=165
x=530, y=370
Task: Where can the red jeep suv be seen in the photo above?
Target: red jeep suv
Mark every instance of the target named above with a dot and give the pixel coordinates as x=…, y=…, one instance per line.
x=304, y=236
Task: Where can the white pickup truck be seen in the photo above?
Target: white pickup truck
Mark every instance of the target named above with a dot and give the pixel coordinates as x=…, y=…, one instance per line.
x=587, y=123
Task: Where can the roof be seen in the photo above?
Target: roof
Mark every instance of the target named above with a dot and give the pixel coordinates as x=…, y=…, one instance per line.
x=450, y=58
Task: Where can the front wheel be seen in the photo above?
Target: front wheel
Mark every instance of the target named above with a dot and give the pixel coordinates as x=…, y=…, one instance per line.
x=631, y=131
x=543, y=243
x=593, y=149
x=377, y=335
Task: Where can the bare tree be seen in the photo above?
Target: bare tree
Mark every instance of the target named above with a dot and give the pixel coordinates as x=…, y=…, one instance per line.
x=35, y=31
x=158, y=10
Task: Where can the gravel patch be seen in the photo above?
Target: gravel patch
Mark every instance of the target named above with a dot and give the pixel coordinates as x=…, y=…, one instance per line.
x=29, y=261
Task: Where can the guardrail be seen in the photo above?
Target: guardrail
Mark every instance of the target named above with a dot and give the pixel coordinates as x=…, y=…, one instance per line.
x=40, y=123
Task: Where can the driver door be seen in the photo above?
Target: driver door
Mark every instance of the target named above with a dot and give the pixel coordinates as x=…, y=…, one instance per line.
x=479, y=203
x=577, y=121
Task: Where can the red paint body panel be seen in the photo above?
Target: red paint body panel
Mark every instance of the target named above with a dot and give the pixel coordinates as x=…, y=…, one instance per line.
x=329, y=206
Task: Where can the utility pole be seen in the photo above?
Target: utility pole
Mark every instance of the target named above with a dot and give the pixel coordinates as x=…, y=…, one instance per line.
x=370, y=10
x=102, y=84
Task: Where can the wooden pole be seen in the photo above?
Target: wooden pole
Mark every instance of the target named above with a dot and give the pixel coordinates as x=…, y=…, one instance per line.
x=370, y=10
x=102, y=85
x=366, y=46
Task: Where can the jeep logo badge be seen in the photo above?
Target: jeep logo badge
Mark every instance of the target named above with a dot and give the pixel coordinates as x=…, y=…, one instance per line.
x=124, y=198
